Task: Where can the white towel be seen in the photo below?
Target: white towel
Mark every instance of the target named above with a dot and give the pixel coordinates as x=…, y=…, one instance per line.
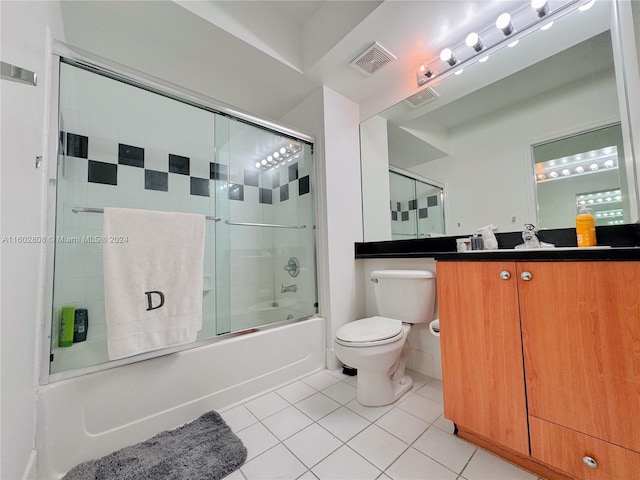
x=153, y=271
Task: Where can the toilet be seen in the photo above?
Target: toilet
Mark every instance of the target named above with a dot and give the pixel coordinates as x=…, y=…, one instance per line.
x=377, y=346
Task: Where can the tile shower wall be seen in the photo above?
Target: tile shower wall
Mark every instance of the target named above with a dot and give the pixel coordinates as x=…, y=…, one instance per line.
x=121, y=146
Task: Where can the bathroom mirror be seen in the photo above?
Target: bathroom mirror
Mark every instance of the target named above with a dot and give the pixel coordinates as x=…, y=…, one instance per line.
x=475, y=132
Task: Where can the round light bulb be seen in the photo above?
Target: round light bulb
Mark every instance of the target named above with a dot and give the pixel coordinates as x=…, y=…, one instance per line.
x=473, y=41
x=264, y=161
x=579, y=169
x=608, y=163
x=269, y=158
x=504, y=23
x=593, y=166
x=540, y=6
x=553, y=174
x=258, y=164
x=276, y=154
x=566, y=171
x=283, y=150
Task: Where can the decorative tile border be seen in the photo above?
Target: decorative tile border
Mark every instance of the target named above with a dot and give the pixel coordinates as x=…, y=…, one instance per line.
x=74, y=145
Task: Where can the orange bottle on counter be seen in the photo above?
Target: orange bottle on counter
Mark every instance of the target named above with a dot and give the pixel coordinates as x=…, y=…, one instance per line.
x=586, y=228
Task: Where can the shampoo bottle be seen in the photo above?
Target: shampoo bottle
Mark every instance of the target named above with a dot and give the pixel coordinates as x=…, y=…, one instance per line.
x=586, y=228
x=67, y=320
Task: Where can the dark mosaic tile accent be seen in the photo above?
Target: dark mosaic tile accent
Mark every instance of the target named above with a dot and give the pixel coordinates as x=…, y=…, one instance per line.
x=276, y=179
x=303, y=185
x=130, y=155
x=432, y=201
x=394, y=215
x=200, y=186
x=405, y=216
x=154, y=180
x=77, y=145
x=251, y=177
x=266, y=196
x=293, y=172
x=284, y=192
x=236, y=192
x=413, y=204
x=101, y=172
x=218, y=171
x=398, y=206
x=423, y=213
x=179, y=164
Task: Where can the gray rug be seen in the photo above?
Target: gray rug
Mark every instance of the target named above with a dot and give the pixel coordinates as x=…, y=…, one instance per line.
x=203, y=449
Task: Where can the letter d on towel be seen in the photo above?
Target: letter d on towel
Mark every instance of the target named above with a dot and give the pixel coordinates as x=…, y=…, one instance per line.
x=150, y=302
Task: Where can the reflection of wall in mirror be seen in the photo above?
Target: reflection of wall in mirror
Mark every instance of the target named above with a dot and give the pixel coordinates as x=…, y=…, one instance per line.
x=490, y=165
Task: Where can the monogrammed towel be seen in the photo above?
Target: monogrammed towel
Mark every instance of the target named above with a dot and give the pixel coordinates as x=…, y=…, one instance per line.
x=153, y=274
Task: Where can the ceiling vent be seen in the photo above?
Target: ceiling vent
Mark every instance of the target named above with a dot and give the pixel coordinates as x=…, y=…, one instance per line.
x=423, y=96
x=372, y=59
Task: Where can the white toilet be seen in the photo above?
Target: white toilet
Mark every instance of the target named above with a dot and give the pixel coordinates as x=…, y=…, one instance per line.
x=377, y=346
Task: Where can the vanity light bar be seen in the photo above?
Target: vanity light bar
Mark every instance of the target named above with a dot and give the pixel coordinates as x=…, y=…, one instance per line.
x=506, y=31
x=585, y=163
x=279, y=157
x=611, y=196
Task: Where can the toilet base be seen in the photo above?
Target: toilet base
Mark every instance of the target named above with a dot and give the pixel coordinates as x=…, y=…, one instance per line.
x=375, y=389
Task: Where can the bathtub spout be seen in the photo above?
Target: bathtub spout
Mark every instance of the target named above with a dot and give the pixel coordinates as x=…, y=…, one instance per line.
x=288, y=288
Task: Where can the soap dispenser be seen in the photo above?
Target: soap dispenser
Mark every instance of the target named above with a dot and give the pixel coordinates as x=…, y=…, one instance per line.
x=586, y=228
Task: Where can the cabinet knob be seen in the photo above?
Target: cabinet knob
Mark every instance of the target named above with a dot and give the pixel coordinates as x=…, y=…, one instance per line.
x=504, y=275
x=525, y=276
x=590, y=461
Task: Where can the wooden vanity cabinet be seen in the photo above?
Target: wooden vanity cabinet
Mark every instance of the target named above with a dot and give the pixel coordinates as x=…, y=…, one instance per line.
x=568, y=333
x=581, y=337
x=483, y=383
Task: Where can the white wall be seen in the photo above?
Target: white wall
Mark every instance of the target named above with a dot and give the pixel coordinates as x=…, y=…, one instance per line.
x=490, y=165
x=26, y=29
x=343, y=204
x=374, y=155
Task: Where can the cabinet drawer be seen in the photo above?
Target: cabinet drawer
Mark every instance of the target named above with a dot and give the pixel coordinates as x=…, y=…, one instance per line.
x=565, y=450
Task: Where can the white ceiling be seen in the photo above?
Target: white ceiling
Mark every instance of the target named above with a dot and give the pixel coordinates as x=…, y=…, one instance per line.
x=265, y=56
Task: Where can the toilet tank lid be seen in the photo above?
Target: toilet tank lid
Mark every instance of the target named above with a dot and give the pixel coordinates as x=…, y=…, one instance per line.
x=402, y=274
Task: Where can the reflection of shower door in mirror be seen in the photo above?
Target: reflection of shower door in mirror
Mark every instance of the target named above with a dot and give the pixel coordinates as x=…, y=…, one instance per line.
x=583, y=169
x=416, y=206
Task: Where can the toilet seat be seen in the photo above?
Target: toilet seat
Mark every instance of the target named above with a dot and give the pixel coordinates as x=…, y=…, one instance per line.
x=369, y=332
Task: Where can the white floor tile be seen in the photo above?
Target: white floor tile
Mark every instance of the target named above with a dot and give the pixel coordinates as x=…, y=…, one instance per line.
x=296, y=391
x=317, y=406
x=378, y=446
x=432, y=390
x=343, y=464
x=312, y=444
x=308, y=475
x=338, y=374
x=320, y=380
x=446, y=449
x=257, y=439
x=287, y=422
x=276, y=463
x=486, y=466
x=235, y=475
x=341, y=392
x=344, y=423
x=422, y=407
x=444, y=424
x=238, y=418
x=370, y=413
x=402, y=424
x=414, y=465
x=266, y=405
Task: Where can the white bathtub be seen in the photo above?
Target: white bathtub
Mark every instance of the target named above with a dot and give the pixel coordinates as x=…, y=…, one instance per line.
x=90, y=416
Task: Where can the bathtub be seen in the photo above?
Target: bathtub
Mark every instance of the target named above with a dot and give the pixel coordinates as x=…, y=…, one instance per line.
x=90, y=416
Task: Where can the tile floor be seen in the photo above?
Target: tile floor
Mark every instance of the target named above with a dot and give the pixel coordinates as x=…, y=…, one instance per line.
x=315, y=428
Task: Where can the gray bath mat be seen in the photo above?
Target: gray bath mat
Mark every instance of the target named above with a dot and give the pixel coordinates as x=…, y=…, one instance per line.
x=205, y=449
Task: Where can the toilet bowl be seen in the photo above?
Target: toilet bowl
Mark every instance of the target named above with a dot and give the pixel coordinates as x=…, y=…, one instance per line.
x=377, y=346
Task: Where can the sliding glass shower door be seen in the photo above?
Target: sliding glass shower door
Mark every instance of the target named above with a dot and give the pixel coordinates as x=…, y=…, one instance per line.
x=124, y=145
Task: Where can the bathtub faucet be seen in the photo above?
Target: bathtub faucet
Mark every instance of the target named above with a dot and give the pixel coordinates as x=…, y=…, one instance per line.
x=288, y=288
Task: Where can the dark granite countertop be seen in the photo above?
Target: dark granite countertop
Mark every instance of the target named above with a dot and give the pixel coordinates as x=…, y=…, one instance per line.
x=624, y=241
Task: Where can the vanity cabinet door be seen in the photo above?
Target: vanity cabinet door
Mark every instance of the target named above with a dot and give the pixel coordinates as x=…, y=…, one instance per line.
x=480, y=340
x=581, y=336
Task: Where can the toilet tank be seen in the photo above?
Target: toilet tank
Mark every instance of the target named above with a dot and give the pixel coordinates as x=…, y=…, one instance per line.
x=406, y=295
